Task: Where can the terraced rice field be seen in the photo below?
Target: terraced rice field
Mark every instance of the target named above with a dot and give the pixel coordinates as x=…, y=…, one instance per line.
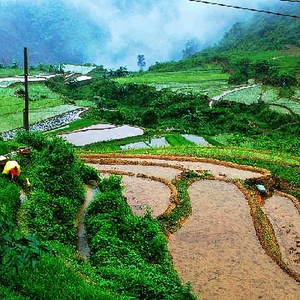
x=43, y=104
x=268, y=95
x=218, y=248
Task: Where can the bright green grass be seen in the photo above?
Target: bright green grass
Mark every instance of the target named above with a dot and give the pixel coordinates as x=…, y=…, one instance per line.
x=286, y=59
x=15, y=120
x=85, y=103
x=182, y=76
x=178, y=140
x=14, y=72
x=44, y=104
x=210, y=88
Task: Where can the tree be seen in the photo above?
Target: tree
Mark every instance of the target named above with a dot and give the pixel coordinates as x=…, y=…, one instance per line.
x=191, y=47
x=141, y=62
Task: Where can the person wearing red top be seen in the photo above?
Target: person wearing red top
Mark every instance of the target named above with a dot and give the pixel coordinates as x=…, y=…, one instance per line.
x=13, y=173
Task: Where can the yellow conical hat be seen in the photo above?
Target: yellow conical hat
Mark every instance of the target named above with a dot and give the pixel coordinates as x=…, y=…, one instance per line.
x=10, y=165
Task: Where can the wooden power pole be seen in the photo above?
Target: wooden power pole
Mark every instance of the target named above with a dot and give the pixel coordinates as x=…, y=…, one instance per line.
x=26, y=109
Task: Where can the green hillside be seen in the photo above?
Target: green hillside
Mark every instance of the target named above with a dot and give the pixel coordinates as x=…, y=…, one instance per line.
x=264, y=32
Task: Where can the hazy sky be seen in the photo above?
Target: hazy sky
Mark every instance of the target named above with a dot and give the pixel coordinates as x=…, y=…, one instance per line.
x=159, y=29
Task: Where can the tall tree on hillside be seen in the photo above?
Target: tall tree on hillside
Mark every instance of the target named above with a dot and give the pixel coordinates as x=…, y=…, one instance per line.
x=191, y=47
x=141, y=62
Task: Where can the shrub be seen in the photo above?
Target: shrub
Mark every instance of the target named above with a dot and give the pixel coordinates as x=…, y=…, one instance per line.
x=52, y=218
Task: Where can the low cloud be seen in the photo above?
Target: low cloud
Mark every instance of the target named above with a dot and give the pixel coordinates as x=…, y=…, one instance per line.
x=158, y=29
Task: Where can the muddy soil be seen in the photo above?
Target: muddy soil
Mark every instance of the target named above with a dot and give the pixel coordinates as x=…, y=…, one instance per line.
x=217, y=248
x=218, y=251
x=285, y=220
x=141, y=193
x=166, y=173
x=216, y=170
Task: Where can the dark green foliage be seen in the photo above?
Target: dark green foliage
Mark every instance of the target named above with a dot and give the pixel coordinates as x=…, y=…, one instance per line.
x=7, y=147
x=9, y=198
x=32, y=139
x=53, y=278
x=121, y=72
x=282, y=79
x=242, y=71
x=52, y=218
x=7, y=293
x=53, y=164
x=264, y=32
x=57, y=187
x=130, y=249
x=114, y=183
x=88, y=173
x=57, y=84
x=19, y=252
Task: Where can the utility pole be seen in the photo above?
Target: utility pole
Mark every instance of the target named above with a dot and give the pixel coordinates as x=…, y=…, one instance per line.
x=26, y=109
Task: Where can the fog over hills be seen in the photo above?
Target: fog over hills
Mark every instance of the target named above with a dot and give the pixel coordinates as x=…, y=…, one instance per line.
x=112, y=32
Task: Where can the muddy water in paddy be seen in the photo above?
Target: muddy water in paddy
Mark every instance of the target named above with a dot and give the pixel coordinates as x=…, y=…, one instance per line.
x=141, y=193
x=218, y=251
x=166, y=173
x=216, y=170
x=285, y=220
x=82, y=244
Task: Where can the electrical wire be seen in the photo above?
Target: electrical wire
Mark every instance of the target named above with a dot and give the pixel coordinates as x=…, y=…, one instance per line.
x=247, y=8
x=292, y=1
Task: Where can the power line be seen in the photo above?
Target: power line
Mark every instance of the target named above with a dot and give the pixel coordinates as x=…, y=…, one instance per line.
x=247, y=8
x=293, y=1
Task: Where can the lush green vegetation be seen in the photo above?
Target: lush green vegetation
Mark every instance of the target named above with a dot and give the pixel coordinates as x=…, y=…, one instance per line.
x=6, y=147
x=161, y=111
x=129, y=255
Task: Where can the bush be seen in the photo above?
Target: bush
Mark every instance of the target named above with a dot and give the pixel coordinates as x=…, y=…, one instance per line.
x=52, y=218
x=88, y=173
x=9, y=199
x=129, y=249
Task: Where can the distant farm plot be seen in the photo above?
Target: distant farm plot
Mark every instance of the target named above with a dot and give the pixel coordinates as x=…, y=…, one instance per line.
x=170, y=77
x=210, y=82
x=43, y=104
x=268, y=95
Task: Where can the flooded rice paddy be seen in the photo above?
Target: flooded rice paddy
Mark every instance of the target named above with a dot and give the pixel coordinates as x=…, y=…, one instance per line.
x=198, y=140
x=88, y=136
x=217, y=249
x=285, y=220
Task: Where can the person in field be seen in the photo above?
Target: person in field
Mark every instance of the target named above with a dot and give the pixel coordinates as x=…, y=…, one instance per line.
x=12, y=170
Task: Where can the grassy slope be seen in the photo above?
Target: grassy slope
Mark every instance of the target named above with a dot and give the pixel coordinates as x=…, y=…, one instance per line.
x=44, y=104
x=213, y=82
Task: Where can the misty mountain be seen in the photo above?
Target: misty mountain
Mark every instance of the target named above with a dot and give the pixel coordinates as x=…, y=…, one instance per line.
x=110, y=32
x=47, y=32
x=264, y=32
